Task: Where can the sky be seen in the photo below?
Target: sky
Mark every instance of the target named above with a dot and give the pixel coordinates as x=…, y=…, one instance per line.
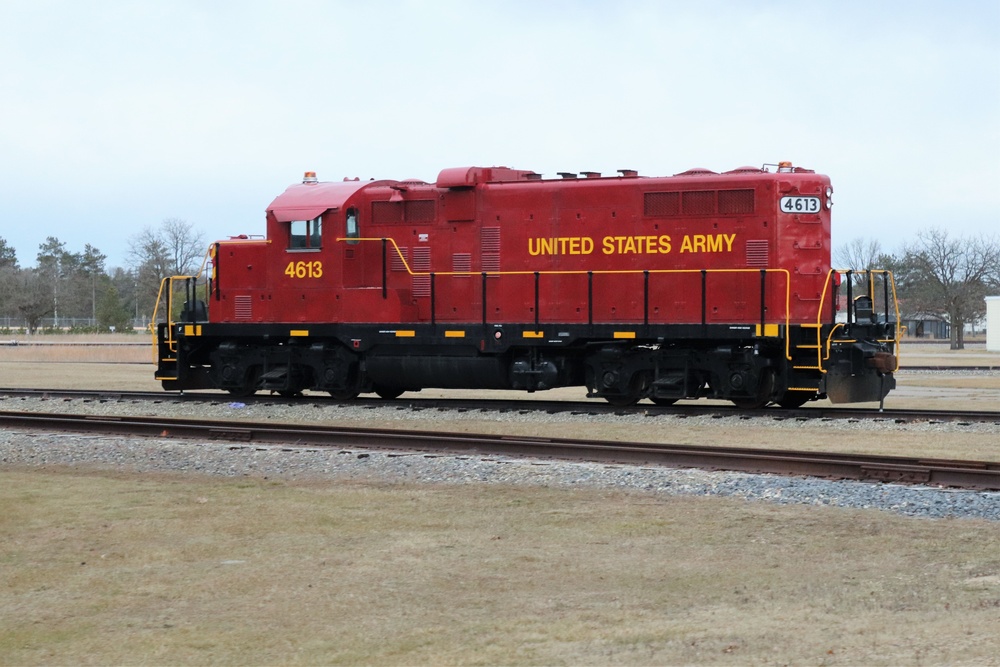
x=116, y=115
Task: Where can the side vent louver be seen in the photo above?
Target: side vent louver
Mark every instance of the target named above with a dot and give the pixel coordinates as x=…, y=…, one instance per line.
x=461, y=262
x=399, y=259
x=243, y=305
x=489, y=249
x=421, y=264
x=758, y=253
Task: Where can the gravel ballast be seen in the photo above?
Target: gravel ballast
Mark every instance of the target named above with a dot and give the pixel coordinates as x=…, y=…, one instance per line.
x=37, y=448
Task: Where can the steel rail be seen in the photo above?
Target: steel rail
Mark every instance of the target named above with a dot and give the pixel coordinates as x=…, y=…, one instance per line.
x=957, y=369
x=981, y=475
x=583, y=406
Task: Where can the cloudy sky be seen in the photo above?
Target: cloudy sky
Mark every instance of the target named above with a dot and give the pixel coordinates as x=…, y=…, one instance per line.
x=117, y=115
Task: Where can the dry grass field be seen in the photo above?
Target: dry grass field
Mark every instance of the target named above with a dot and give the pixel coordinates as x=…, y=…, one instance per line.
x=106, y=567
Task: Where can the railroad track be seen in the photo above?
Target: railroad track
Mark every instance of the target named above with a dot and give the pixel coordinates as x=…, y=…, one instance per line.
x=523, y=406
x=980, y=475
x=956, y=369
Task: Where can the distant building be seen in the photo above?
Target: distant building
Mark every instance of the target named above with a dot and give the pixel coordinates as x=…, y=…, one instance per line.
x=926, y=325
x=993, y=323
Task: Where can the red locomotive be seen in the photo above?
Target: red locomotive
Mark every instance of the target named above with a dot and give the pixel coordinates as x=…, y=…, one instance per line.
x=701, y=284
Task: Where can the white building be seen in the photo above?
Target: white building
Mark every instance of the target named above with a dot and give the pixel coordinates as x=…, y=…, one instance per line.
x=993, y=323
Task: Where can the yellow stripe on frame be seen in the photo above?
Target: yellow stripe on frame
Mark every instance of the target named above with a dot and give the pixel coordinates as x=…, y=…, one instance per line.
x=299, y=332
x=533, y=334
x=770, y=331
x=405, y=333
x=624, y=334
x=192, y=329
x=454, y=334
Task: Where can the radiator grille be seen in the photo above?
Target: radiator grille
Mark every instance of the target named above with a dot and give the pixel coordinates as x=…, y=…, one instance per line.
x=388, y=212
x=698, y=202
x=733, y=202
x=661, y=203
x=419, y=210
x=461, y=262
x=385, y=212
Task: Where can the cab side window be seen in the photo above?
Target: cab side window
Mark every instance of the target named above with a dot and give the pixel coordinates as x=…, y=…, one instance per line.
x=306, y=234
x=353, y=233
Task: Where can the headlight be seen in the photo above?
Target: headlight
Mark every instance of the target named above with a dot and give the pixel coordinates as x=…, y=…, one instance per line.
x=829, y=197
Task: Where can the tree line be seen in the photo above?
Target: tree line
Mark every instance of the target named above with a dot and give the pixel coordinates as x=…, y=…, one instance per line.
x=65, y=288
x=935, y=274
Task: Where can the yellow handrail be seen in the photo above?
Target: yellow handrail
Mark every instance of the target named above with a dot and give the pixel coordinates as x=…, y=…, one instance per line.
x=822, y=347
x=168, y=282
x=411, y=272
x=824, y=351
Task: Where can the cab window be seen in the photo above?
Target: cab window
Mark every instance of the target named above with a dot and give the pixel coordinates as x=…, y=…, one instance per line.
x=352, y=231
x=306, y=234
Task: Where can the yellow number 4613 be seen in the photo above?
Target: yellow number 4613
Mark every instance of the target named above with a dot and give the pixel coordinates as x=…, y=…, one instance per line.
x=304, y=270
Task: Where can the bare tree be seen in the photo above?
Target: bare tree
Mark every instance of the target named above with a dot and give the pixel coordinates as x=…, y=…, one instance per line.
x=150, y=263
x=951, y=276
x=154, y=254
x=861, y=256
x=34, y=297
x=185, y=247
x=858, y=255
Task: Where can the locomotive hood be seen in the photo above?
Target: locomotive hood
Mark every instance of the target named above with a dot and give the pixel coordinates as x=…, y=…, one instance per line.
x=305, y=201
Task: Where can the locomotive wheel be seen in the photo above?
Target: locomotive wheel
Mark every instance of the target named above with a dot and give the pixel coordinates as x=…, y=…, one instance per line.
x=636, y=388
x=344, y=394
x=663, y=402
x=765, y=387
x=794, y=399
x=389, y=393
x=625, y=401
x=249, y=387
